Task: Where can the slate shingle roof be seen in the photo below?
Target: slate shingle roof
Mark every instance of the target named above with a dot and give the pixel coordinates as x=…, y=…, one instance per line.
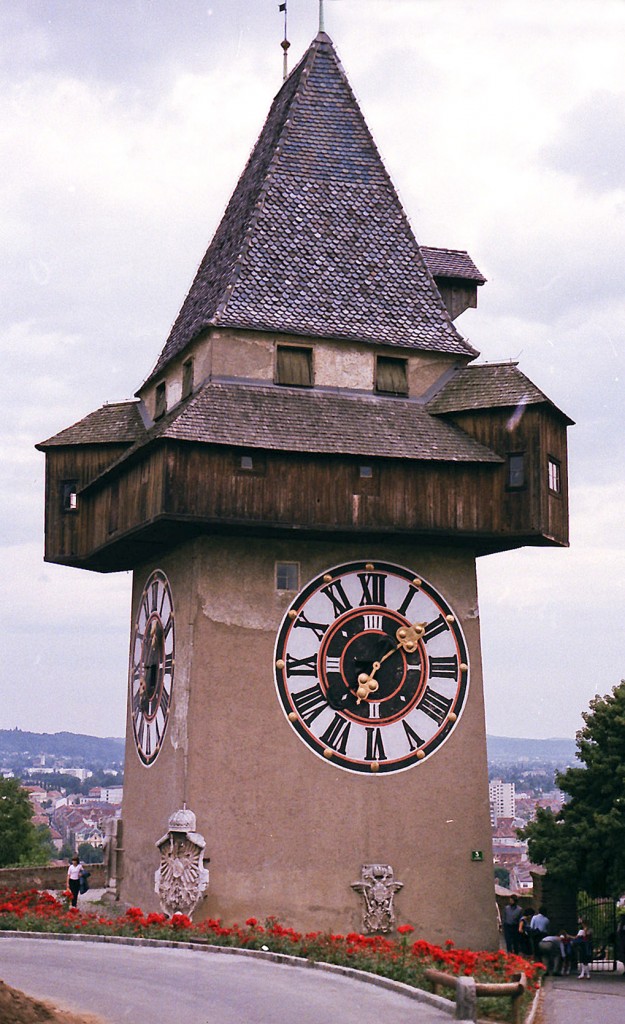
x=314, y=240
x=451, y=263
x=300, y=420
x=117, y=423
x=488, y=386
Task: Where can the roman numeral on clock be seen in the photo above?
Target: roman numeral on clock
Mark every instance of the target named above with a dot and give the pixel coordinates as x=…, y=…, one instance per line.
x=414, y=740
x=405, y=605
x=309, y=703
x=433, y=628
x=435, y=705
x=301, y=666
x=318, y=628
x=373, y=587
x=375, y=746
x=336, y=735
x=445, y=668
x=336, y=594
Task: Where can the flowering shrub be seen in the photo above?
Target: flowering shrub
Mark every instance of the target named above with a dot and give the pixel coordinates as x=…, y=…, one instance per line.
x=394, y=958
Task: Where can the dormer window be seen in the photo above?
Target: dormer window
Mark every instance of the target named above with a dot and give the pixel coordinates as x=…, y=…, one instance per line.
x=187, y=378
x=69, y=495
x=554, y=475
x=294, y=366
x=160, y=400
x=515, y=471
x=391, y=375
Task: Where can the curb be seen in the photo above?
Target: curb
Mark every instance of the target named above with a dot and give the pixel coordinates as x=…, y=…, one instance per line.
x=417, y=994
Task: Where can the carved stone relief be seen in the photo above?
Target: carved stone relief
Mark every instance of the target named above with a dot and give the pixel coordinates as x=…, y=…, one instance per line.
x=181, y=879
x=377, y=886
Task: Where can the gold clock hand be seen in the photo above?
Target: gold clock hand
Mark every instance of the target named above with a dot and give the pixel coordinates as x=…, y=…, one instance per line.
x=407, y=639
x=367, y=684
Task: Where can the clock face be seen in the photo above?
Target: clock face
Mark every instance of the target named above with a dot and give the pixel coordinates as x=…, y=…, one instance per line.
x=152, y=666
x=371, y=667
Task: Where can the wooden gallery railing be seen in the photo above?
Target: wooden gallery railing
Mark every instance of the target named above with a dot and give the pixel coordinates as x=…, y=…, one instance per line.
x=468, y=990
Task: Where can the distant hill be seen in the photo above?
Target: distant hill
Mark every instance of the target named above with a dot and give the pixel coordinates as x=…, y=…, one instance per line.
x=508, y=749
x=62, y=744
x=501, y=749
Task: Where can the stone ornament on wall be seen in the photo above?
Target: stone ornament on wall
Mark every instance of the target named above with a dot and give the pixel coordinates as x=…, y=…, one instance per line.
x=181, y=879
x=377, y=886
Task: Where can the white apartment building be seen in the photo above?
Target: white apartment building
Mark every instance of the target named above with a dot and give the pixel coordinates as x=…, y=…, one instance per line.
x=502, y=800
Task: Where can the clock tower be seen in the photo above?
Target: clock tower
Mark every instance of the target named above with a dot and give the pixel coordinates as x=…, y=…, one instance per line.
x=301, y=487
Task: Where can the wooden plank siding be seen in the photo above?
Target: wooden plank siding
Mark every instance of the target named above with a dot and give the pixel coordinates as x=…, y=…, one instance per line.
x=65, y=530
x=539, y=432
x=174, y=489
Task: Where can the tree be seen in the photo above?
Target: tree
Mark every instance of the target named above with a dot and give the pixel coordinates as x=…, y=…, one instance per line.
x=502, y=876
x=90, y=854
x=20, y=841
x=584, y=843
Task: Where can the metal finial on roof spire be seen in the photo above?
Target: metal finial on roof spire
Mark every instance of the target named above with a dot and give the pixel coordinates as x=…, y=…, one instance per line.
x=321, y=25
x=284, y=44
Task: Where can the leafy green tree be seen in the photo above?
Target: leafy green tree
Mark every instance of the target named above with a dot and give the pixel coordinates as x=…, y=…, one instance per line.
x=90, y=854
x=584, y=843
x=57, y=780
x=20, y=841
x=502, y=876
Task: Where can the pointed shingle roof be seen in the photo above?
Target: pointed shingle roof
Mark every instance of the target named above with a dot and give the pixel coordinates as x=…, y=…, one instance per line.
x=451, y=263
x=488, y=386
x=117, y=423
x=314, y=240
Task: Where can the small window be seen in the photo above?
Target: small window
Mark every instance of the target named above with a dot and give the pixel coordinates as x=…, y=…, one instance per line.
x=69, y=495
x=391, y=375
x=365, y=472
x=516, y=471
x=294, y=366
x=287, y=576
x=554, y=475
x=250, y=463
x=187, y=378
x=160, y=400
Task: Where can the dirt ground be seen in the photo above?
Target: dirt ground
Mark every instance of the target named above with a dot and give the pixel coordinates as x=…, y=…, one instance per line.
x=18, y=1008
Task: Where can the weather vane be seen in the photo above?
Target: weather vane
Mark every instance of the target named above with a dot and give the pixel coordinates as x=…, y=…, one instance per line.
x=321, y=25
x=284, y=44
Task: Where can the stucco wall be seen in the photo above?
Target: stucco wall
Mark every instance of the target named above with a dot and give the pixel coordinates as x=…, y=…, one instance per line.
x=287, y=832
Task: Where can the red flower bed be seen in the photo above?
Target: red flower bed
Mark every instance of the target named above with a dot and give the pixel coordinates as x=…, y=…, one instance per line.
x=396, y=958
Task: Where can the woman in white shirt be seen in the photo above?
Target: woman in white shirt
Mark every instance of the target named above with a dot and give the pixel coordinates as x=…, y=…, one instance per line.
x=74, y=872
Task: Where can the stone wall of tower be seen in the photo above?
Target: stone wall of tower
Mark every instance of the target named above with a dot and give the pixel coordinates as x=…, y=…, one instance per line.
x=287, y=832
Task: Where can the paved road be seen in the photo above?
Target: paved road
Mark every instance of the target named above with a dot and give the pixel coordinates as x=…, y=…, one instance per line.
x=597, y=1000
x=129, y=984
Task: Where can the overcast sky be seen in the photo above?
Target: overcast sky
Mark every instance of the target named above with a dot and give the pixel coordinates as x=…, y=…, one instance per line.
x=124, y=126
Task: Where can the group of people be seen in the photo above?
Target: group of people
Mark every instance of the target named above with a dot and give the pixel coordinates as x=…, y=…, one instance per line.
x=527, y=933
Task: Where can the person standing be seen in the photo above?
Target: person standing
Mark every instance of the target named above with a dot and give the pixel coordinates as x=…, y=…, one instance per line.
x=539, y=926
x=525, y=934
x=74, y=872
x=583, y=944
x=512, y=914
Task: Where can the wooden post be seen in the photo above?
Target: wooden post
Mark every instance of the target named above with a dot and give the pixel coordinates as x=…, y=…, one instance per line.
x=466, y=999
